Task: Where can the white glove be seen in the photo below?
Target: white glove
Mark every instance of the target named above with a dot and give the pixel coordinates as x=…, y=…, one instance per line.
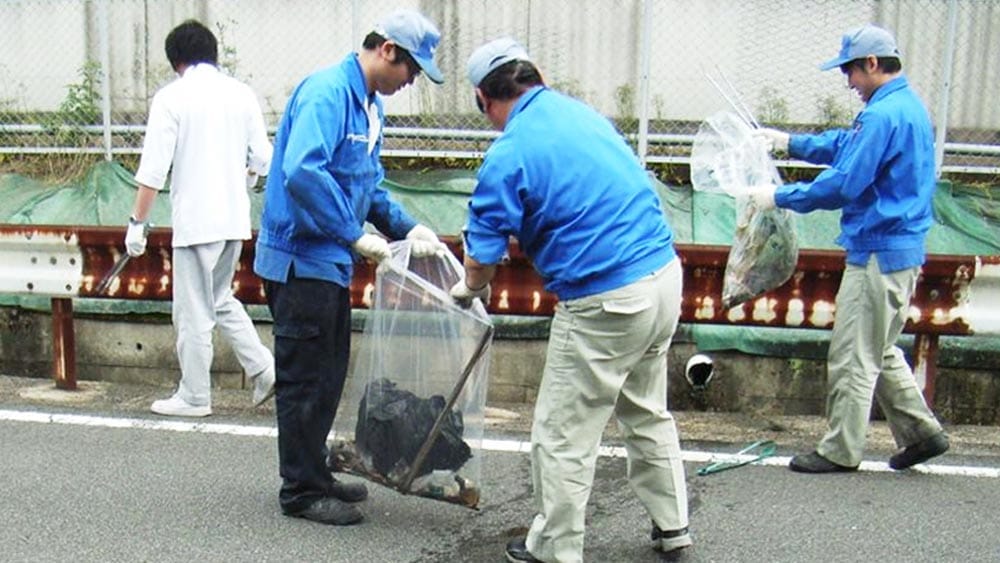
x=135, y=237
x=252, y=179
x=423, y=242
x=762, y=196
x=463, y=294
x=772, y=139
x=373, y=247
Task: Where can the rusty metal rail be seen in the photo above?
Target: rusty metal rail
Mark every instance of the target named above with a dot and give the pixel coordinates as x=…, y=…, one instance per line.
x=956, y=294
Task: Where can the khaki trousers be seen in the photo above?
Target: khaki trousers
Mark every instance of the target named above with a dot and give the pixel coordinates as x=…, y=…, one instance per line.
x=607, y=354
x=864, y=360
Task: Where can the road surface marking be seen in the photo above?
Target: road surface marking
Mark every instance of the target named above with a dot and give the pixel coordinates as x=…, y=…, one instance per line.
x=513, y=446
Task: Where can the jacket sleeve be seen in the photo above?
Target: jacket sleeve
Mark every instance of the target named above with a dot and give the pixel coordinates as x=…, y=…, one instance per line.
x=819, y=149
x=317, y=130
x=496, y=211
x=857, y=158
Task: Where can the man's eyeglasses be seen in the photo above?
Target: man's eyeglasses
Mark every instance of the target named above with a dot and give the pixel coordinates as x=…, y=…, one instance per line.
x=411, y=64
x=479, y=104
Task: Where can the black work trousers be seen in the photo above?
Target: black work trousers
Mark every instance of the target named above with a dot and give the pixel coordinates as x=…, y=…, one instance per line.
x=312, y=346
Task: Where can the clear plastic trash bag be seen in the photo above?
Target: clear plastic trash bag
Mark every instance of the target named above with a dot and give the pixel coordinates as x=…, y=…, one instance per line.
x=725, y=158
x=421, y=367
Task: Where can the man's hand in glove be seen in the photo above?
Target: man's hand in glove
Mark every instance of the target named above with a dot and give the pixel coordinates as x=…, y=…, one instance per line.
x=372, y=247
x=772, y=139
x=135, y=237
x=762, y=196
x=463, y=294
x=423, y=242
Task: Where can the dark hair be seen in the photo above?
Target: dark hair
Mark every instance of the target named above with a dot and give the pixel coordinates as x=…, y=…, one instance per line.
x=191, y=43
x=889, y=65
x=510, y=80
x=372, y=41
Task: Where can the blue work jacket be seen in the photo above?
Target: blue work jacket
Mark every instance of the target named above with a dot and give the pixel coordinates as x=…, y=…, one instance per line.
x=324, y=181
x=563, y=181
x=881, y=176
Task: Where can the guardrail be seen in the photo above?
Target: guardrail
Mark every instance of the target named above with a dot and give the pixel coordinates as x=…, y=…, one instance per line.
x=955, y=295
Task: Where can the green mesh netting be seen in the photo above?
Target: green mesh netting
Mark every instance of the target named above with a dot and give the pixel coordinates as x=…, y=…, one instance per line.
x=967, y=222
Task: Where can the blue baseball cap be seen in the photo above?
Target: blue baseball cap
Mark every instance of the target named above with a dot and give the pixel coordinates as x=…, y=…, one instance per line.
x=415, y=33
x=488, y=57
x=860, y=42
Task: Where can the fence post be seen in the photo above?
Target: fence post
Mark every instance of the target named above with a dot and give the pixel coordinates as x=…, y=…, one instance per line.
x=944, y=99
x=356, y=24
x=103, y=29
x=645, y=45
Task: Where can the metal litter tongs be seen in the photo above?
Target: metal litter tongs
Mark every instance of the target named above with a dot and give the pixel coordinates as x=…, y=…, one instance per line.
x=732, y=96
x=754, y=452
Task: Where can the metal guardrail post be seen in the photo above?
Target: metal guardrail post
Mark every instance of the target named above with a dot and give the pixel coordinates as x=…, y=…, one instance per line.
x=63, y=344
x=925, y=353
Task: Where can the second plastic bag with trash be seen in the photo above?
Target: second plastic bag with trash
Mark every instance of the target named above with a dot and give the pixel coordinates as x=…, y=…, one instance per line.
x=412, y=414
x=727, y=159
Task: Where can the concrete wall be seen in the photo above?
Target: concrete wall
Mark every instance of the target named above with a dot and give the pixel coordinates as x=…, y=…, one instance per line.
x=142, y=351
x=589, y=48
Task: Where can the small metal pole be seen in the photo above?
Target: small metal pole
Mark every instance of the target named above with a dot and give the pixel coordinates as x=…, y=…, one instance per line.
x=945, y=95
x=642, y=145
x=63, y=344
x=105, y=46
x=418, y=461
x=925, y=353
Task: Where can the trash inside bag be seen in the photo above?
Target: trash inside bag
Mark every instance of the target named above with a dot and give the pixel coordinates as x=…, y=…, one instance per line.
x=763, y=255
x=725, y=158
x=412, y=415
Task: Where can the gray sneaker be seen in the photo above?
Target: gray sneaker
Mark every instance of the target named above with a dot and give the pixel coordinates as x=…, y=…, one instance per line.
x=263, y=386
x=920, y=452
x=328, y=510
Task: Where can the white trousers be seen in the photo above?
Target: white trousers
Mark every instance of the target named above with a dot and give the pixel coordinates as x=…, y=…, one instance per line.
x=864, y=362
x=203, y=299
x=607, y=354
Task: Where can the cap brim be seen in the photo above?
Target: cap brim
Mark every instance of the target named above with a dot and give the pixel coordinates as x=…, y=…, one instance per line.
x=430, y=69
x=834, y=63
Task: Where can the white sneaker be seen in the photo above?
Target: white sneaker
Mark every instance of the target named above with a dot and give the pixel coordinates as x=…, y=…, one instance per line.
x=175, y=406
x=263, y=386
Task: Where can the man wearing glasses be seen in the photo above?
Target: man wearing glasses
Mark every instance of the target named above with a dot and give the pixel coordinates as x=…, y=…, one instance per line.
x=324, y=184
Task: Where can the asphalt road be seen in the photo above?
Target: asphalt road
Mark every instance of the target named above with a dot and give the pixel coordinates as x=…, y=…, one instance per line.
x=112, y=483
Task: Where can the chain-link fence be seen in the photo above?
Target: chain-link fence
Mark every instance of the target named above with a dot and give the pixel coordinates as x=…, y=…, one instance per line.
x=77, y=75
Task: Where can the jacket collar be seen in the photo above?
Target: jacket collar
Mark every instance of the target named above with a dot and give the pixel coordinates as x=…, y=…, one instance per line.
x=356, y=80
x=523, y=102
x=889, y=87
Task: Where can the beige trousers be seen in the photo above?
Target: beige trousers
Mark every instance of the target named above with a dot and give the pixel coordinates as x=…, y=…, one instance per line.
x=607, y=354
x=864, y=360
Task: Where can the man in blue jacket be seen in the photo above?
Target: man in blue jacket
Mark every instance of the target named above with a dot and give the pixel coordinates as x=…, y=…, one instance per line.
x=881, y=175
x=563, y=181
x=324, y=184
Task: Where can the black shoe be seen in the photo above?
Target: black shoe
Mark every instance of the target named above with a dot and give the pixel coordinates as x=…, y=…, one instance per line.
x=517, y=550
x=815, y=463
x=920, y=452
x=331, y=511
x=348, y=492
x=668, y=541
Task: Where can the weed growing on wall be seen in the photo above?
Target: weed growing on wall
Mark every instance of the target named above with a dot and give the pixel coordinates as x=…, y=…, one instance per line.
x=81, y=106
x=773, y=109
x=832, y=114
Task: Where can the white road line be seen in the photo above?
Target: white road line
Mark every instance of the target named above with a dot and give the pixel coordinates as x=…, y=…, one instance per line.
x=487, y=444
